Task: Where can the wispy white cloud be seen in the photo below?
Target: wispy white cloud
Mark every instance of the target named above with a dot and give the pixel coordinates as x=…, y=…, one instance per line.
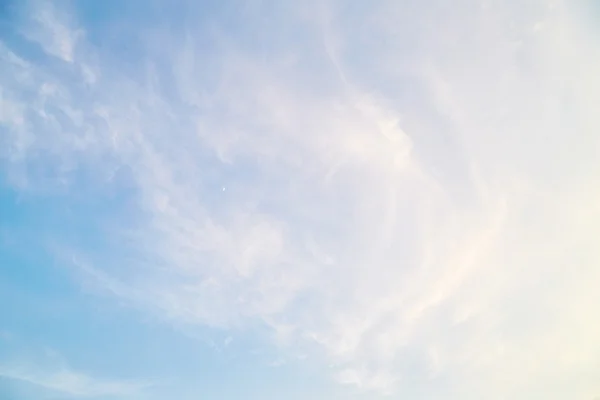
x=70, y=382
x=50, y=372
x=51, y=28
x=410, y=190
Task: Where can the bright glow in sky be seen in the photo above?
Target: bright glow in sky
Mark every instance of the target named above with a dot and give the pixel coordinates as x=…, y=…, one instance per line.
x=333, y=199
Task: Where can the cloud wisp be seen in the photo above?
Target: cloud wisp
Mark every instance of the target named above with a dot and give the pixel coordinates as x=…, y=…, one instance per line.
x=51, y=374
x=407, y=193
x=71, y=383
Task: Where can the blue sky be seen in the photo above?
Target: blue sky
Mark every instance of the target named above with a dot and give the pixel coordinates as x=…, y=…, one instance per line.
x=302, y=200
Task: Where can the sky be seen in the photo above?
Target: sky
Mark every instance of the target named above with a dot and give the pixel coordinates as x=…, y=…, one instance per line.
x=321, y=199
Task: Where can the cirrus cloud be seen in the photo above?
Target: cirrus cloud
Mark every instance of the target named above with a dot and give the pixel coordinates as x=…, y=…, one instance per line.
x=408, y=193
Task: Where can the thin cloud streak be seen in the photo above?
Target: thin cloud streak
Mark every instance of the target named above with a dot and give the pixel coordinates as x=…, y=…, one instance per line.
x=393, y=216
x=70, y=383
x=49, y=372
